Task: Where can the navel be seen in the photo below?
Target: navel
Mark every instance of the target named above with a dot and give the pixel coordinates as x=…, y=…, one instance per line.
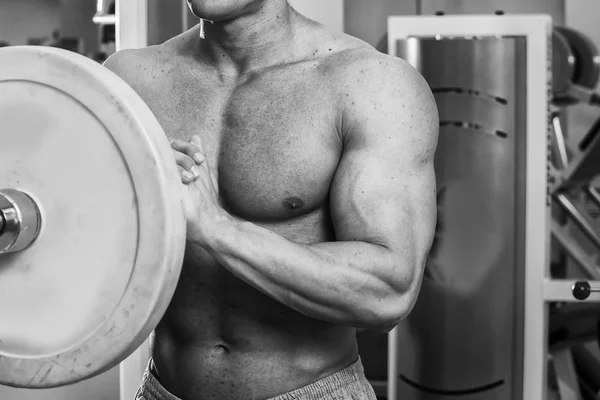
x=293, y=203
x=219, y=349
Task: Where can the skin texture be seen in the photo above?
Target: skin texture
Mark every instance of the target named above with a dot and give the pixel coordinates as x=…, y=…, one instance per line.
x=311, y=208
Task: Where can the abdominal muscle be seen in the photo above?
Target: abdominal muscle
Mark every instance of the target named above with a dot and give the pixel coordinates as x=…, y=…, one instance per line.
x=223, y=339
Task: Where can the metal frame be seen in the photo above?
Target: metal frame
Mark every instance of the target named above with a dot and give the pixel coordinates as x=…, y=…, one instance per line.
x=131, y=371
x=131, y=24
x=536, y=29
x=185, y=22
x=132, y=33
x=566, y=375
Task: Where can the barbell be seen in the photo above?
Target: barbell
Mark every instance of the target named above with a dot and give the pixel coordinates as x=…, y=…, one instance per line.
x=92, y=233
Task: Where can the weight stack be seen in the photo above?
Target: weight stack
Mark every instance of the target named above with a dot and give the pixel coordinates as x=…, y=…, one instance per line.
x=463, y=337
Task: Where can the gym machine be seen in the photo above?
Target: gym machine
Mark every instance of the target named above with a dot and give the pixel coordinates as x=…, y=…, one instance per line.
x=491, y=312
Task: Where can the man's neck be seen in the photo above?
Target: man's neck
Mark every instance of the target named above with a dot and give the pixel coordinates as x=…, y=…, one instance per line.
x=251, y=42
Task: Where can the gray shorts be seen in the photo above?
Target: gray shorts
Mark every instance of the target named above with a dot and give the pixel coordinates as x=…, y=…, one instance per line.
x=347, y=384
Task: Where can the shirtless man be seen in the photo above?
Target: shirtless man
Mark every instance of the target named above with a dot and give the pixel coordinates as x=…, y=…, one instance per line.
x=311, y=208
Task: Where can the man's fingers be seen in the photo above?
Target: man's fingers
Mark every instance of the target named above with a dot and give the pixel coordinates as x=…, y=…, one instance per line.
x=196, y=142
x=199, y=158
x=188, y=156
x=186, y=176
x=190, y=149
x=184, y=161
x=187, y=167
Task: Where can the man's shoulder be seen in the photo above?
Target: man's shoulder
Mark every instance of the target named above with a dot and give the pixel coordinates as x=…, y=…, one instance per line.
x=369, y=84
x=366, y=78
x=348, y=62
x=136, y=66
x=365, y=68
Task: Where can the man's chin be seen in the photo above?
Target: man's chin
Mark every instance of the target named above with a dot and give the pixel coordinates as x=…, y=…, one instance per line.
x=221, y=12
x=214, y=17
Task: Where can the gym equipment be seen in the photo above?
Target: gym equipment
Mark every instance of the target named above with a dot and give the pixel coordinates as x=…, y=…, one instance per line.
x=477, y=330
x=105, y=12
x=92, y=233
x=474, y=64
x=574, y=367
x=575, y=68
x=582, y=290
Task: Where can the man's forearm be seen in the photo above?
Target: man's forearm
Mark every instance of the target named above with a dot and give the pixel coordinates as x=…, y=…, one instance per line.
x=353, y=283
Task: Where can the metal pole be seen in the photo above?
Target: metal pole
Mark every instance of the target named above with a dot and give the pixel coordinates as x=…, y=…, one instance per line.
x=131, y=24
x=132, y=33
x=185, y=23
x=392, y=384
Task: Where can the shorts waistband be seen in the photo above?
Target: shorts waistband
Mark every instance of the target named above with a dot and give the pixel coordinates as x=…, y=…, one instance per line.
x=353, y=374
x=345, y=379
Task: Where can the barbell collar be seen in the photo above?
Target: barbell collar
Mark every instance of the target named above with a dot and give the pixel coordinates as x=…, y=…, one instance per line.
x=20, y=221
x=2, y=222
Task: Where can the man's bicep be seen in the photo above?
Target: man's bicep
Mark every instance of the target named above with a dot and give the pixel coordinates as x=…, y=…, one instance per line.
x=384, y=190
x=375, y=200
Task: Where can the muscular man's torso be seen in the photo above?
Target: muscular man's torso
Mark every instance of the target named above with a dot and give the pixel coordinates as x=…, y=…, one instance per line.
x=273, y=142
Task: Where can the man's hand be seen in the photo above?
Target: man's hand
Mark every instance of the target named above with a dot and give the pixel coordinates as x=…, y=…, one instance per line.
x=199, y=194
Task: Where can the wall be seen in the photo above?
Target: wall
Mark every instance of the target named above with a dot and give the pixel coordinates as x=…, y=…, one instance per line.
x=164, y=20
x=21, y=19
x=327, y=12
x=76, y=21
x=367, y=20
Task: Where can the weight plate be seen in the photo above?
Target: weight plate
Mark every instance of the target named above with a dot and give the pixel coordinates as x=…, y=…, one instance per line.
x=563, y=65
x=587, y=60
x=586, y=71
x=98, y=278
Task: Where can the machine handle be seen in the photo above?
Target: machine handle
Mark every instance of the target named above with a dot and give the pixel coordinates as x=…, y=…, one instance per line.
x=582, y=290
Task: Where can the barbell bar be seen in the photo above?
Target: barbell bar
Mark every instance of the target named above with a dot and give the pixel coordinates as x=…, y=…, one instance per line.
x=20, y=221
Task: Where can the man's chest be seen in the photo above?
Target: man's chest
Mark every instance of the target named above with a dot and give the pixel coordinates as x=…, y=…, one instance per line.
x=272, y=149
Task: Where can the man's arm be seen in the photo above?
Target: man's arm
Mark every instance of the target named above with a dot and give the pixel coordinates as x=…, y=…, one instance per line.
x=382, y=205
